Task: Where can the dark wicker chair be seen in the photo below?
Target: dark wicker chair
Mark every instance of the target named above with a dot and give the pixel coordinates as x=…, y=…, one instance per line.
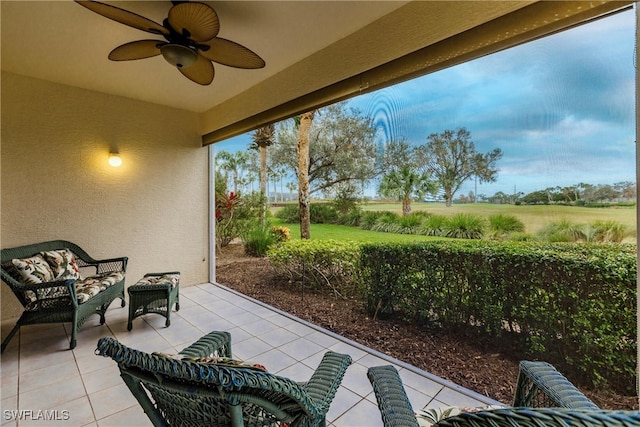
x=187, y=393
x=57, y=302
x=544, y=398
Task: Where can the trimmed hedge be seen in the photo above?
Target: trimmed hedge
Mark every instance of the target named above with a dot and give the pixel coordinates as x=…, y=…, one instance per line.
x=321, y=264
x=572, y=305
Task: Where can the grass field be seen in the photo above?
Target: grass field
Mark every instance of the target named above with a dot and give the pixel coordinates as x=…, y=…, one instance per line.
x=534, y=218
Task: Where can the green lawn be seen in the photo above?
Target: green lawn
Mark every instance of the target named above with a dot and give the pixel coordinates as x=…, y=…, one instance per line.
x=342, y=232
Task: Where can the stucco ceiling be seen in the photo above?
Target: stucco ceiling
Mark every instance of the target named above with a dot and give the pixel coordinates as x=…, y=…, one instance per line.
x=65, y=43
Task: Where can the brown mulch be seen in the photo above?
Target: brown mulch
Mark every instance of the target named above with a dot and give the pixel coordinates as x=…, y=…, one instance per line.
x=454, y=357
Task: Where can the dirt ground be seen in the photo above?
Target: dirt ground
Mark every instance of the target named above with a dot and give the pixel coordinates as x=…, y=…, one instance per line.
x=471, y=365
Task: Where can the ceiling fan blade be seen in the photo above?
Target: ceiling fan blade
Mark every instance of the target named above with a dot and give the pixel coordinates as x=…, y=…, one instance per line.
x=136, y=50
x=196, y=21
x=230, y=53
x=124, y=17
x=200, y=72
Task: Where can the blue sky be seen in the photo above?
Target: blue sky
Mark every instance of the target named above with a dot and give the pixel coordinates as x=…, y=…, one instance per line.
x=561, y=108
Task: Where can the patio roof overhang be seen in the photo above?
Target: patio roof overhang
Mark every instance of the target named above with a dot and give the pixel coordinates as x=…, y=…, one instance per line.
x=435, y=35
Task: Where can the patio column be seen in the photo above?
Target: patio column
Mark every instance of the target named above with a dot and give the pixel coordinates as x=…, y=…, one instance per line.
x=212, y=214
x=637, y=62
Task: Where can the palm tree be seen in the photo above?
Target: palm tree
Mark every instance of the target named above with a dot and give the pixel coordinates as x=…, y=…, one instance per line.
x=405, y=182
x=234, y=163
x=262, y=138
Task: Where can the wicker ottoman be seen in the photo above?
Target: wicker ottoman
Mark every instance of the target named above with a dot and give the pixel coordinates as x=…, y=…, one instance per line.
x=154, y=293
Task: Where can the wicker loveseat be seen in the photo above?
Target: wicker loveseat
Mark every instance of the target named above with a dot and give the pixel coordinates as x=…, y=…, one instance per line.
x=57, y=281
x=544, y=398
x=199, y=386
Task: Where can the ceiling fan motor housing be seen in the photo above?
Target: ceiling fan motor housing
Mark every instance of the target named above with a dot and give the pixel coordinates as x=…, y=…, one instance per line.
x=178, y=55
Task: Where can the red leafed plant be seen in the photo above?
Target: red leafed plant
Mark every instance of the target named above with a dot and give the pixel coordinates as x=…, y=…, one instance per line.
x=226, y=221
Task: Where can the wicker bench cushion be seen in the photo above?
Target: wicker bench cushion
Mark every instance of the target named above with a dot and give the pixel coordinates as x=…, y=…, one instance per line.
x=85, y=289
x=50, y=266
x=172, y=279
x=91, y=286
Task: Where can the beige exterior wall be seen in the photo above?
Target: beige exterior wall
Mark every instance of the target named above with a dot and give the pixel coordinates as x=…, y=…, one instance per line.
x=56, y=182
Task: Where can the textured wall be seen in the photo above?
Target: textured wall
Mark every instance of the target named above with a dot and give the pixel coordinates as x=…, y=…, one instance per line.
x=56, y=182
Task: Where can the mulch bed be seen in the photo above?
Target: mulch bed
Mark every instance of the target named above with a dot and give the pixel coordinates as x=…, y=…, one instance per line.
x=454, y=357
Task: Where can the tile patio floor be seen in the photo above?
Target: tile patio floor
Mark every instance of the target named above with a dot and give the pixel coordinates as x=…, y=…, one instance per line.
x=39, y=372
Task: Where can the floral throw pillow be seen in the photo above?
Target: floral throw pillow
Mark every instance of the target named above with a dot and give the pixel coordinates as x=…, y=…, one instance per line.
x=63, y=264
x=429, y=417
x=32, y=271
x=215, y=360
x=229, y=363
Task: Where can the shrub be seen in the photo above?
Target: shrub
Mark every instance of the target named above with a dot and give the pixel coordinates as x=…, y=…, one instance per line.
x=465, y=226
x=236, y=215
x=501, y=225
x=369, y=219
x=610, y=231
x=324, y=265
x=573, y=305
x=521, y=237
x=351, y=218
x=281, y=234
x=289, y=214
x=257, y=240
x=562, y=231
x=386, y=222
x=410, y=224
x=322, y=213
x=344, y=200
x=319, y=214
x=434, y=225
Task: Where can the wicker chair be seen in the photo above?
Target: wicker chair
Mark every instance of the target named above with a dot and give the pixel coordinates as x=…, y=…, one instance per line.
x=58, y=301
x=174, y=391
x=544, y=398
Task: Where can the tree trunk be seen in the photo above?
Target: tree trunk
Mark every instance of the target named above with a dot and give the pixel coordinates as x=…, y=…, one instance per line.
x=406, y=206
x=235, y=181
x=263, y=170
x=303, y=174
x=447, y=197
x=263, y=183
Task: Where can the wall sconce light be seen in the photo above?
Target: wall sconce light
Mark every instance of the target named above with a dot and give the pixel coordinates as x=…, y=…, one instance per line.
x=115, y=160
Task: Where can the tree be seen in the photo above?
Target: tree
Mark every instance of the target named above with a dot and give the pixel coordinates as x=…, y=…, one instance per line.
x=262, y=138
x=404, y=183
x=291, y=186
x=342, y=148
x=234, y=163
x=304, y=127
x=333, y=146
x=451, y=158
x=403, y=178
x=536, y=198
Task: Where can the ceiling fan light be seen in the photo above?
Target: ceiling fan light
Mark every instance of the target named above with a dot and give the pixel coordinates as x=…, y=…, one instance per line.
x=178, y=55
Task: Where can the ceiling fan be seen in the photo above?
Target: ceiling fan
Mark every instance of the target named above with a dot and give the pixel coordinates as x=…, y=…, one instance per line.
x=191, y=43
